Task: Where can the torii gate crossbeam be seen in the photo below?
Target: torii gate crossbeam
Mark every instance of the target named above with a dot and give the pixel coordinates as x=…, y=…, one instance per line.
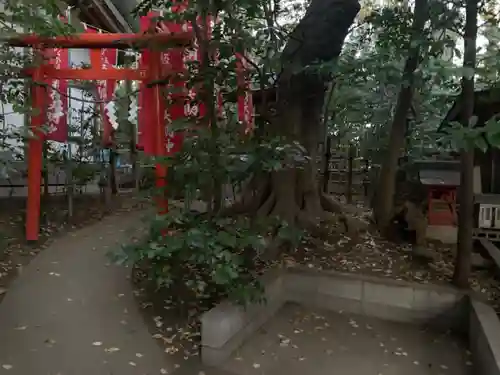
x=152, y=73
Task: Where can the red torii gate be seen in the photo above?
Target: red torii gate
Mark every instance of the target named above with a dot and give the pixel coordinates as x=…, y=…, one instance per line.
x=151, y=73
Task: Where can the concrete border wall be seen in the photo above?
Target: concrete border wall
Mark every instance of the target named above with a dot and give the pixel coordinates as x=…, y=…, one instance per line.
x=226, y=326
x=442, y=307
x=484, y=338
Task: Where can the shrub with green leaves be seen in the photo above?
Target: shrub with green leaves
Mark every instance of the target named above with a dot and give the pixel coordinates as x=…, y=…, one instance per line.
x=205, y=255
x=202, y=259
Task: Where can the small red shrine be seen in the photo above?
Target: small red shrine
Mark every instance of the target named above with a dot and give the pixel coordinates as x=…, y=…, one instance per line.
x=441, y=179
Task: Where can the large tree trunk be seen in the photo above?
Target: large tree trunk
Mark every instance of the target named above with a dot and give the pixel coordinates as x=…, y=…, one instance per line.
x=293, y=193
x=465, y=225
x=385, y=191
x=318, y=38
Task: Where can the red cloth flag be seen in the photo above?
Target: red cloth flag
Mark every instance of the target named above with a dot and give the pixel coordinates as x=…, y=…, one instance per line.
x=105, y=89
x=57, y=98
x=180, y=107
x=245, y=100
x=144, y=120
x=146, y=94
x=171, y=58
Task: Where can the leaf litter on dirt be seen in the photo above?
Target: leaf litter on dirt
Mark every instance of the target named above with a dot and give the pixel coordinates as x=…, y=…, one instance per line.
x=366, y=254
x=371, y=254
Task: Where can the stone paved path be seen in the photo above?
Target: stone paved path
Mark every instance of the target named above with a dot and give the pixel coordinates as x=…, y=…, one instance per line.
x=72, y=313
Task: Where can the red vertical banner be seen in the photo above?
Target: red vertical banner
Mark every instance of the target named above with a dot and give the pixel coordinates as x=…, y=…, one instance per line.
x=218, y=90
x=145, y=136
x=183, y=102
x=171, y=58
x=193, y=107
x=245, y=100
x=174, y=58
x=175, y=111
x=107, y=58
x=146, y=117
x=57, y=99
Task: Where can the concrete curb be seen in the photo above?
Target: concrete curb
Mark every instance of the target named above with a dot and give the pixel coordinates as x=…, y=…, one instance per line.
x=438, y=306
x=484, y=338
x=226, y=326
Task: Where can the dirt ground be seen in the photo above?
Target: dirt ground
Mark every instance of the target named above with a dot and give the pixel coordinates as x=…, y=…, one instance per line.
x=367, y=254
x=371, y=255
x=16, y=253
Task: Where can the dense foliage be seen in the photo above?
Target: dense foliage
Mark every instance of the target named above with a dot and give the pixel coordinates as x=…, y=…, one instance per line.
x=206, y=251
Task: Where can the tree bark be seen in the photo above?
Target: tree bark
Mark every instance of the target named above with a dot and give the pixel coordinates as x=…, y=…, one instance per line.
x=294, y=193
x=385, y=191
x=318, y=38
x=466, y=198
x=112, y=171
x=326, y=166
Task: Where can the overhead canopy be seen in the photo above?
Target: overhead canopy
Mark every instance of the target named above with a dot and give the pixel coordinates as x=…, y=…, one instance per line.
x=110, y=15
x=125, y=7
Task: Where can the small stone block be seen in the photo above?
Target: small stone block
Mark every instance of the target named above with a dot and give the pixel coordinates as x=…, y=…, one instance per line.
x=274, y=289
x=390, y=295
x=341, y=287
x=428, y=299
x=303, y=298
x=482, y=354
x=221, y=323
x=485, y=338
x=338, y=304
x=301, y=283
x=392, y=313
x=214, y=357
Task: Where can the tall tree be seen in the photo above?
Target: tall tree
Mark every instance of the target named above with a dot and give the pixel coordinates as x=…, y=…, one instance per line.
x=281, y=165
x=466, y=198
x=292, y=193
x=386, y=186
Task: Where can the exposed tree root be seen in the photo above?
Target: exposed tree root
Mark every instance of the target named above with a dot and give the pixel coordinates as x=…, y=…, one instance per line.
x=292, y=193
x=285, y=195
x=266, y=208
x=251, y=197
